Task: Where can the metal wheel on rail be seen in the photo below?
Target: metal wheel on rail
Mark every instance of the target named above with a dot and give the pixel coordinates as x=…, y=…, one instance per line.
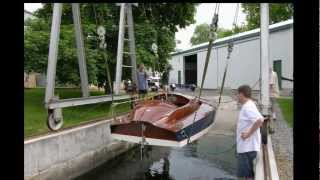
x=55, y=120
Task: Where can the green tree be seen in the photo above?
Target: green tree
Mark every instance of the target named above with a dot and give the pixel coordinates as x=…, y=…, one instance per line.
x=153, y=23
x=277, y=12
x=201, y=33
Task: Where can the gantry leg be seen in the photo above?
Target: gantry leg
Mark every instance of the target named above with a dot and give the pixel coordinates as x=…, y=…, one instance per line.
x=80, y=50
x=54, y=120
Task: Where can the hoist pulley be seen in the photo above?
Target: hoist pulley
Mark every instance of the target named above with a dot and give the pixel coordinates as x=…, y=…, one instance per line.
x=230, y=48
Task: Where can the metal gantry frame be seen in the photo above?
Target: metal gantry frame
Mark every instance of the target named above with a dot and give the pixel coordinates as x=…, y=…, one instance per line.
x=52, y=103
x=264, y=56
x=126, y=21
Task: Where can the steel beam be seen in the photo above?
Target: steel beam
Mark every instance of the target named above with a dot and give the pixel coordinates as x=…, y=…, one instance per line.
x=84, y=100
x=80, y=50
x=132, y=44
x=264, y=55
x=53, y=51
x=120, y=49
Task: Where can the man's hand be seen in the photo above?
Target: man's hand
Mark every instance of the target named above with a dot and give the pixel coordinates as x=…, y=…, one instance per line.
x=245, y=134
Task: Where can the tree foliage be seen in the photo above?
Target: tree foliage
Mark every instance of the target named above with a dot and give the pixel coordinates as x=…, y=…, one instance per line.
x=201, y=33
x=153, y=23
x=277, y=12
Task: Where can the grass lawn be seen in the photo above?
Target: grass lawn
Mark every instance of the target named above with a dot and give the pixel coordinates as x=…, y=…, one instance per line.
x=286, y=105
x=35, y=114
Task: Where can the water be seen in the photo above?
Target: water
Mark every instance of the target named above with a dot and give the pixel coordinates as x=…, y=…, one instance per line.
x=211, y=157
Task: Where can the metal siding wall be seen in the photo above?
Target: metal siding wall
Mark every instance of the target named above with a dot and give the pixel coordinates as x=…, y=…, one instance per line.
x=244, y=66
x=281, y=47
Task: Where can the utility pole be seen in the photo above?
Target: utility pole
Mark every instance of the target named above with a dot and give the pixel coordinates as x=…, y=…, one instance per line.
x=264, y=55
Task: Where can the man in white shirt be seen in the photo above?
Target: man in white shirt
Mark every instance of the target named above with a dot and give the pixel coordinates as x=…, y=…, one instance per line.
x=248, y=133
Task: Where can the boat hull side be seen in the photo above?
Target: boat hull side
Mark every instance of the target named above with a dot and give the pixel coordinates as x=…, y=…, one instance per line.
x=160, y=137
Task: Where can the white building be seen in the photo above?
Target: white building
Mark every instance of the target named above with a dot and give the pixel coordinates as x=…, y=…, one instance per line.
x=244, y=65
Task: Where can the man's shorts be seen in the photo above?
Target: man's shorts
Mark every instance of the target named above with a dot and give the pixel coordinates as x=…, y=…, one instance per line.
x=245, y=164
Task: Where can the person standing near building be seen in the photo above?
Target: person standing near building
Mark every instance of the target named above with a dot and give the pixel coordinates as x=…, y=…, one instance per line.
x=248, y=133
x=274, y=93
x=274, y=90
x=142, y=81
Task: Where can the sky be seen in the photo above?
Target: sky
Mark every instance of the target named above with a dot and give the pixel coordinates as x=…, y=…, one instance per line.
x=204, y=14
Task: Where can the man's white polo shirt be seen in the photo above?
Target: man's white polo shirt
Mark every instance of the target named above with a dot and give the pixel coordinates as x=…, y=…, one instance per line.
x=248, y=115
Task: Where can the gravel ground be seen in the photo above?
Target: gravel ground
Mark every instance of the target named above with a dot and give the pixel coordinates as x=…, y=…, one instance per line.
x=282, y=142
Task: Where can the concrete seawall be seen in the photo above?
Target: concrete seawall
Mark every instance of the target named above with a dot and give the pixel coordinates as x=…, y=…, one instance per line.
x=70, y=153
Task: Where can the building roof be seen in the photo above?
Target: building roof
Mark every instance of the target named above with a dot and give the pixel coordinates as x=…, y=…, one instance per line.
x=28, y=12
x=28, y=15
x=243, y=35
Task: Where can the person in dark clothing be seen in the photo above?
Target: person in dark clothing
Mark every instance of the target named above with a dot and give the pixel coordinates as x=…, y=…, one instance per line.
x=142, y=77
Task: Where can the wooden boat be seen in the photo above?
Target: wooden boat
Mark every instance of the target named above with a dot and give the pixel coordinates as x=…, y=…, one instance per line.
x=166, y=120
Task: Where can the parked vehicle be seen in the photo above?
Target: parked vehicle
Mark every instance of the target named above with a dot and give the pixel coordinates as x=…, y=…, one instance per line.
x=154, y=83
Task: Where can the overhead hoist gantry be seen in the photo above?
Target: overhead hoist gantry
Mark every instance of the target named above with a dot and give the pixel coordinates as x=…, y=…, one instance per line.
x=52, y=103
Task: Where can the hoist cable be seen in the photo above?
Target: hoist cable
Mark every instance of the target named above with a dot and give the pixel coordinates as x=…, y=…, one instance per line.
x=96, y=20
x=230, y=48
x=235, y=19
x=213, y=29
x=101, y=21
x=155, y=63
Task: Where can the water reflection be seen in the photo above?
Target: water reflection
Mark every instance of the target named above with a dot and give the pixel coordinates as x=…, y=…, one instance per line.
x=197, y=161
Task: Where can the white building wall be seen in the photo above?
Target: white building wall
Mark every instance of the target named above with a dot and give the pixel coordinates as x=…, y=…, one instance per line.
x=244, y=65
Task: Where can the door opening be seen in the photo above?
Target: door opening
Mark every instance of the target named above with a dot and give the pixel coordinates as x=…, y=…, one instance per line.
x=190, y=69
x=277, y=66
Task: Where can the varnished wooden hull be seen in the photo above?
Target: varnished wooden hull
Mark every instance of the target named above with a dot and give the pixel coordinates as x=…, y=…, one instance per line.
x=170, y=131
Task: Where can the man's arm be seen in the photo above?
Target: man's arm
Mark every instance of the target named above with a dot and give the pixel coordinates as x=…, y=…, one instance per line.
x=258, y=123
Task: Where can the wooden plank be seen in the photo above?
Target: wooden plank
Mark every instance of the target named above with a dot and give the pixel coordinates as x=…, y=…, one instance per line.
x=259, y=172
x=272, y=161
